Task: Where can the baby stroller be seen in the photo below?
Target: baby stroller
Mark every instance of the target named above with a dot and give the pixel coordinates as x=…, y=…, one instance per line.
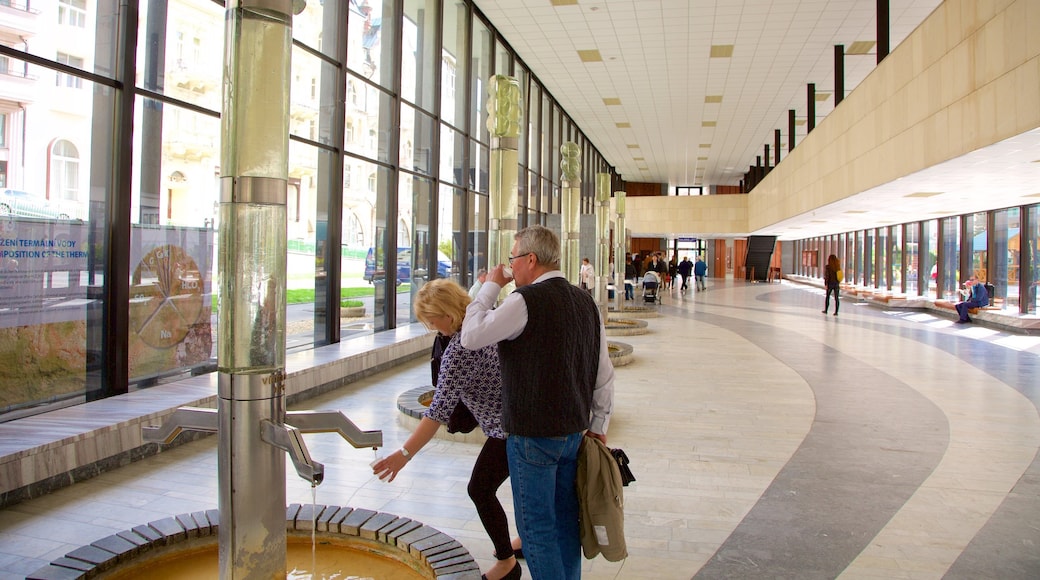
x=651, y=288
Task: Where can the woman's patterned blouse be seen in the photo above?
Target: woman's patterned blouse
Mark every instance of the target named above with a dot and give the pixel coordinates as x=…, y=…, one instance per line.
x=474, y=377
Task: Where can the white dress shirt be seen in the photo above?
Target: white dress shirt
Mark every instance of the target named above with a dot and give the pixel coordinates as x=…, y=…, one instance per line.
x=484, y=325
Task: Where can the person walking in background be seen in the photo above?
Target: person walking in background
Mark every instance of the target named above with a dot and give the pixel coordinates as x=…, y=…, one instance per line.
x=700, y=270
x=977, y=297
x=630, y=278
x=472, y=377
x=557, y=386
x=587, y=275
x=832, y=280
x=685, y=270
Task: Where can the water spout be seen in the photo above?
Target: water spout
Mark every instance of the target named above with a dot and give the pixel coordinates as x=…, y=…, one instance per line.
x=183, y=419
x=288, y=439
x=334, y=422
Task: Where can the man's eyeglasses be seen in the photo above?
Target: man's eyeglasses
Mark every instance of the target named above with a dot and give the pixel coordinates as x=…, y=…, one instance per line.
x=511, y=258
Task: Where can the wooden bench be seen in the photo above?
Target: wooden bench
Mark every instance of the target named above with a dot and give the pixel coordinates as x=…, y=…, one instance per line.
x=947, y=305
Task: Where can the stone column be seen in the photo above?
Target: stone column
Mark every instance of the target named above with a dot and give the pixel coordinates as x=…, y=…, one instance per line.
x=503, y=122
x=602, y=240
x=620, y=246
x=570, y=167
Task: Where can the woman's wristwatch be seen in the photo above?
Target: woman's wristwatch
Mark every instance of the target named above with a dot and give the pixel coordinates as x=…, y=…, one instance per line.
x=405, y=453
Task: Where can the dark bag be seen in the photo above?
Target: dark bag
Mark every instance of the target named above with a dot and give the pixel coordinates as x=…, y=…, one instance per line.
x=440, y=342
x=622, y=460
x=461, y=420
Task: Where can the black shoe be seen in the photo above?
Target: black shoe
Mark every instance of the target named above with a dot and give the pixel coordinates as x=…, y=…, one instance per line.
x=824, y=311
x=513, y=574
x=962, y=322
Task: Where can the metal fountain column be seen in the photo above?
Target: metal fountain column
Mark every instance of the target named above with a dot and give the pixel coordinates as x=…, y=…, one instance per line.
x=250, y=418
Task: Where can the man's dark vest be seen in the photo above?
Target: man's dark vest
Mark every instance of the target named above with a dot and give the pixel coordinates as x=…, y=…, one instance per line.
x=549, y=371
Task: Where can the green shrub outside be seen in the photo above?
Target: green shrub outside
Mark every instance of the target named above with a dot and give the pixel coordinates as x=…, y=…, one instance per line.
x=306, y=296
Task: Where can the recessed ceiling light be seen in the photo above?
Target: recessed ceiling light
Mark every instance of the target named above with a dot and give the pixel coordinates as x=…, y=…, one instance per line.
x=611, y=101
x=856, y=211
x=924, y=194
x=705, y=145
x=633, y=146
x=639, y=159
x=590, y=56
x=713, y=98
x=708, y=123
x=721, y=50
x=624, y=125
x=860, y=47
x=702, y=159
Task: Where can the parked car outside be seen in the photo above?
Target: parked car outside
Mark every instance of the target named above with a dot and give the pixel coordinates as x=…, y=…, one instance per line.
x=404, y=266
x=17, y=203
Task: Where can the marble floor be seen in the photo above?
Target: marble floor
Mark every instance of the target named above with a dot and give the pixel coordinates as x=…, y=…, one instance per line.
x=768, y=441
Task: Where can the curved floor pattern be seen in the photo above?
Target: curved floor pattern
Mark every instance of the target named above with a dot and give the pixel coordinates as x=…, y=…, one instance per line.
x=986, y=474
x=858, y=465
x=768, y=441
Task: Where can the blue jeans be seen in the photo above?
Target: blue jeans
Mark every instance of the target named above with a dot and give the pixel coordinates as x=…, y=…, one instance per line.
x=542, y=471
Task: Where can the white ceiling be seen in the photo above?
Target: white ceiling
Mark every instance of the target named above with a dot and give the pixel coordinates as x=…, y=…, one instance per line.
x=656, y=59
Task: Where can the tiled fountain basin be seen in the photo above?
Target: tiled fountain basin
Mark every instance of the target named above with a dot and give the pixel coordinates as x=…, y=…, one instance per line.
x=427, y=551
x=626, y=326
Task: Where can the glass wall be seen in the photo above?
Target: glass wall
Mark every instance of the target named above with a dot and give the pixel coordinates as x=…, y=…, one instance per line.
x=896, y=275
x=882, y=260
x=998, y=246
x=950, y=278
x=1029, y=244
x=930, y=256
x=1004, y=273
x=976, y=231
x=913, y=259
x=387, y=182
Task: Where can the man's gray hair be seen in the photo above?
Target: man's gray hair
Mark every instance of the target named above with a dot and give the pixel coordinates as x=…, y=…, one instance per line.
x=542, y=242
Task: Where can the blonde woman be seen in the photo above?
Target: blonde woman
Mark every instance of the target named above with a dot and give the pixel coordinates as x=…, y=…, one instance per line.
x=474, y=377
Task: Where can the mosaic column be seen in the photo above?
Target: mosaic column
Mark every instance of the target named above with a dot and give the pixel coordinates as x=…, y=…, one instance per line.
x=570, y=167
x=503, y=122
x=620, y=245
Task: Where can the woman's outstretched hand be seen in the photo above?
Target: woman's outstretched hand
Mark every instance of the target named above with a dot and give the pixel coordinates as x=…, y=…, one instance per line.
x=387, y=468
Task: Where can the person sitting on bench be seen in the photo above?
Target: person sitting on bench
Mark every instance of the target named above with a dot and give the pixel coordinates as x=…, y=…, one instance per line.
x=977, y=298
